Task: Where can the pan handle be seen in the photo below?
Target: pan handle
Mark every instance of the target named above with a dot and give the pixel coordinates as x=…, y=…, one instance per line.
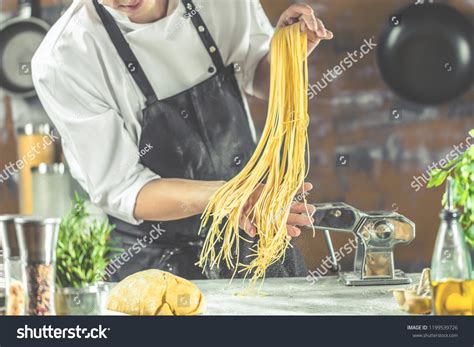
x=29, y=8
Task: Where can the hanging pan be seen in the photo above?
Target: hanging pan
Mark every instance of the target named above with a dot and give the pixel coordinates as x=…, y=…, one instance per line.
x=426, y=54
x=19, y=39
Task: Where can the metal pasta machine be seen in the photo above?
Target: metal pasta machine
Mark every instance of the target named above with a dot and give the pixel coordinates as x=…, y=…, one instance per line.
x=376, y=234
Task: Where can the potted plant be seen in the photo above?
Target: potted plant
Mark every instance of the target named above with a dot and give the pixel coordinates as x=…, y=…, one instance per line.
x=462, y=171
x=82, y=255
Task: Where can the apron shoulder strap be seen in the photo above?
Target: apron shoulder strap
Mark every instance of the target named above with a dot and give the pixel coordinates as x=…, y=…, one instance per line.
x=131, y=61
x=204, y=34
x=126, y=53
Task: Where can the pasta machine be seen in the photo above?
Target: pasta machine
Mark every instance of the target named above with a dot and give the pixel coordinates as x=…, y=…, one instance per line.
x=376, y=234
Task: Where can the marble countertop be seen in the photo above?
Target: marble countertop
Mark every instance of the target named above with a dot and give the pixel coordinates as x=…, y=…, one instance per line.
x=297, y=296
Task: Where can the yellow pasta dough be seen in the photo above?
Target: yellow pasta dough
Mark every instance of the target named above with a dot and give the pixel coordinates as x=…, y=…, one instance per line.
x=156, y=293
x=279, y=163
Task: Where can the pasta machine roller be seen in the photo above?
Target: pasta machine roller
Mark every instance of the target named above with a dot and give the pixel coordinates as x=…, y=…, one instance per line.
x=376, y=234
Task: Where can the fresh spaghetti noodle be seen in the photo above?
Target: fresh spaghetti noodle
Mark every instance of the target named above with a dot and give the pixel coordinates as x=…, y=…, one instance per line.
x=277, y=168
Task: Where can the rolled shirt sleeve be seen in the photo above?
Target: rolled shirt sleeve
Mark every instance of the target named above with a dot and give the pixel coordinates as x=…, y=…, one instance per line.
x=100, y=152
x=261, y=33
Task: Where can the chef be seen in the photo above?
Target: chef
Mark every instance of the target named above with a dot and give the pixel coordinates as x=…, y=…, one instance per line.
x=149, y=97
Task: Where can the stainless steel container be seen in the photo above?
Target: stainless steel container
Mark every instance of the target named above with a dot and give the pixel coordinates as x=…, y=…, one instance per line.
x=13, y=285
x=37, y=239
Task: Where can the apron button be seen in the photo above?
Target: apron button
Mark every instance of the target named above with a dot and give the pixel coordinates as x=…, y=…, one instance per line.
x=237, y=67
x=212, y=49
x=184, y=114
x=201, y=29
x=211, y=70
x=237, y=160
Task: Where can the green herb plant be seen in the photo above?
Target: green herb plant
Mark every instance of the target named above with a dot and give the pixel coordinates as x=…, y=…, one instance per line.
x=462, y=171
x=83, y=250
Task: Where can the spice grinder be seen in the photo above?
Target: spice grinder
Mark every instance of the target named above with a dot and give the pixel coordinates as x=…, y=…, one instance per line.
x=12, y=285
x=37, y=239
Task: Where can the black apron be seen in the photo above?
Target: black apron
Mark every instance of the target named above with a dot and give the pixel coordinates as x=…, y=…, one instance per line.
x=202, y=133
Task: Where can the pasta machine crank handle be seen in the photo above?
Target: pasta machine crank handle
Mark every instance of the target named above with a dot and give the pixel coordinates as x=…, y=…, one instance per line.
x=335, y=267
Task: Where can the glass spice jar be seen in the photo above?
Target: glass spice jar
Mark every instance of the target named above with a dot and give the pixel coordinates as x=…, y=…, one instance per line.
x=14, y=288
x=15, y=291
x=37, y=239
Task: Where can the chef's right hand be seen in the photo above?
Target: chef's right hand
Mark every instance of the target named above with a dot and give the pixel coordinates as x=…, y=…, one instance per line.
x=297, y=217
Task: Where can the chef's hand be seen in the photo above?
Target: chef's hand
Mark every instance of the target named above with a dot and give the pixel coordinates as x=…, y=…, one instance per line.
x=298, y=213
x=313, y=26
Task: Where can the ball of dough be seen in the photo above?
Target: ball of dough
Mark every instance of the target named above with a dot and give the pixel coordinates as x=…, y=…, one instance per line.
x=156, y=293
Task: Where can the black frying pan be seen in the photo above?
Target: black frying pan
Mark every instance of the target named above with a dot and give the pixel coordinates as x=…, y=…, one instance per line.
x=19, y=39
x=429, y=57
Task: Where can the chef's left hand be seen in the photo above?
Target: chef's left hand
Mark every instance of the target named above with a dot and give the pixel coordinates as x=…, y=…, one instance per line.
x=300, y=213
x=313, y=26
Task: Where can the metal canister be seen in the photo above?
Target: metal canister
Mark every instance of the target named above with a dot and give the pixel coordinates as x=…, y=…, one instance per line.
x=14, y=288
x=37, y=239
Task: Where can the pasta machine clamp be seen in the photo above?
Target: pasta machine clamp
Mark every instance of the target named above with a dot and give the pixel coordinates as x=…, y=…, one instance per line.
x=376, y=234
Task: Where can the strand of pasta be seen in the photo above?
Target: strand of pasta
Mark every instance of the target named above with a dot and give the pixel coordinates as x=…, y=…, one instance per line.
x=278, y=163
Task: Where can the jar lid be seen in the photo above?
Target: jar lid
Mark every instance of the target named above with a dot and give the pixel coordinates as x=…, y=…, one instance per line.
x=91, y=288
x=32, y=128
x=45, y=168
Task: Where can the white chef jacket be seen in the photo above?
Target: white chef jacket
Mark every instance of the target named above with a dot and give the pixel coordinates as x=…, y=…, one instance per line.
x=96, y=106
